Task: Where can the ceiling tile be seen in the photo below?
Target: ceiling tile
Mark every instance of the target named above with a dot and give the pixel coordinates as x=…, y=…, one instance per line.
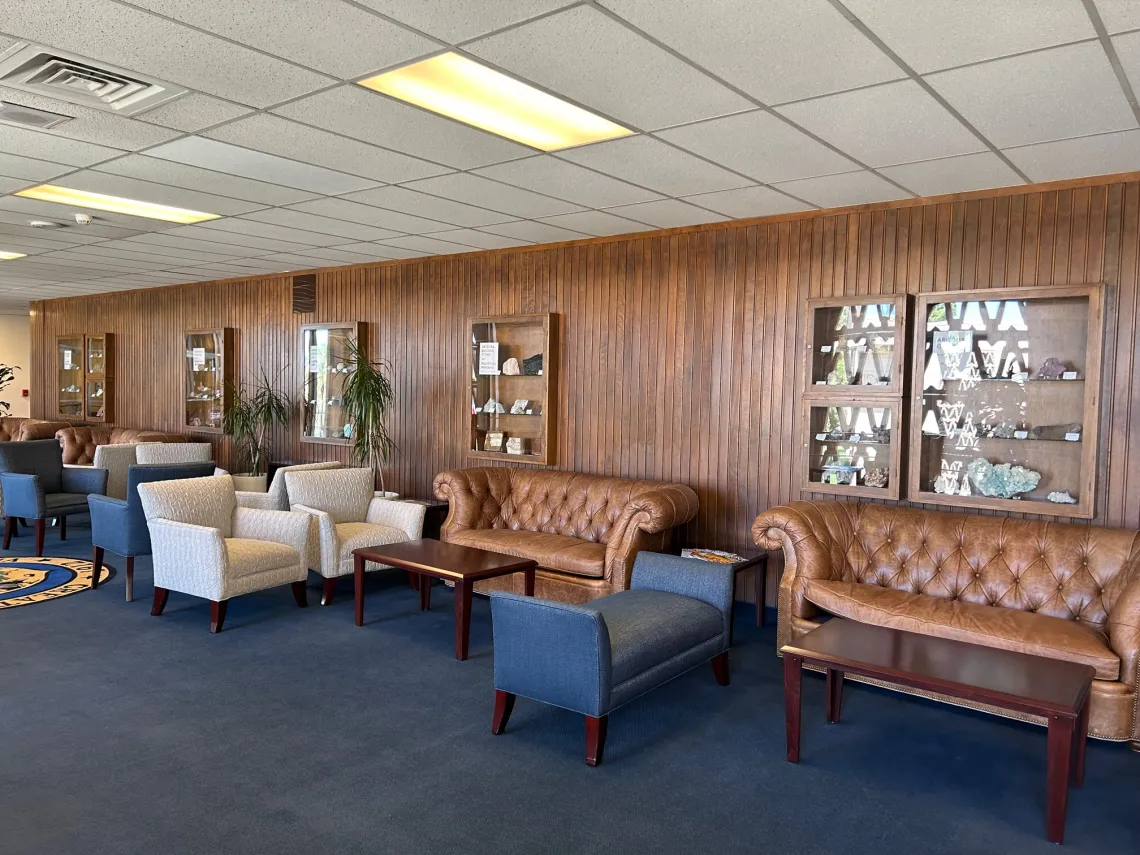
x=383, y=253
x=15, y=214
x=338, y=254
x=455, y=22
x=324, y=225
x=749, y=202
x=223, y=157
x=193, y=112
x=90, y=125
x=807, y=47
x=667, y=214
x=355, y=212
x=161, y=194
x=241, y=229
x=1073, y=158
x=598, y=223
x=482, y=240
x=17, y=244
x=292, y=261
x=432, y=207
x=1064, y=92
x=463, y=187
x=371, y=117
x=893, y=123
x=138, y=41
x=179, y=247
x=651, y=163
x=585, y=55
x=534, y=232
x=1119, y=15
x=29, y=143
x=135, y=252
x=11, y=185
x=954, y=174
x=786, y=152
x=207, y=180
x=280, y=136
x=352, y=42
x=554, y=177
x=428, y=245
x=15, y=166
x=933, y=34
x=835, y=191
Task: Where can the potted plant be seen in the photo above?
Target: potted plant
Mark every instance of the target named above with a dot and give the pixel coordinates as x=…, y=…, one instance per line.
x=254, y=409
x=7, y=375
x=367, y=396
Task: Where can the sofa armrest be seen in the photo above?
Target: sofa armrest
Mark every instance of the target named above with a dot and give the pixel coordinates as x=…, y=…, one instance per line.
x=259, y=501
x=806, y=532
x=1124, y=627
x=653, y=512
x=468, y=507
x=706, y=581
x=23, y=495
x=290, y=529
x=324, y=544
x=190, y=559
x=553, y=652
x=408, y=517
x=84, y=480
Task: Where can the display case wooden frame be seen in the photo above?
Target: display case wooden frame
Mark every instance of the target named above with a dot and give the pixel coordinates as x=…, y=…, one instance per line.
x=92, y=375
x=817, y=338
x=222, y=380
x=519, y=337
x=892, y=464
x=350, y=329
x=1052, y=343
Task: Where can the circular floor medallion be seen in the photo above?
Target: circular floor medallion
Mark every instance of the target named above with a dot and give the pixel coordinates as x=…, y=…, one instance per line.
x=24, y=581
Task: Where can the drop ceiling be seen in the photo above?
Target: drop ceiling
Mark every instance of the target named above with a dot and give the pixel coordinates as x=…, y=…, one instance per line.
x=741, y=108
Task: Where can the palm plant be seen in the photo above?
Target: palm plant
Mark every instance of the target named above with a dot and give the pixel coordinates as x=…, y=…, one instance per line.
x=7, y=375
x=254, y=409
x=367, y=396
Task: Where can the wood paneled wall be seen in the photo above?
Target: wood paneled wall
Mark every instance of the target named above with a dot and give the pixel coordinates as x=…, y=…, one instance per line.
x=680, y=355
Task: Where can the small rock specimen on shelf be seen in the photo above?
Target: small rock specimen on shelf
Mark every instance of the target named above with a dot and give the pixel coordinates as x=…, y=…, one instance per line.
x=1055, y=431
x=1061, y=498
x=876, y=477
x=1004, y=481
x=493, y=406
x=1003, y=431
x=512, y=367
x=881, y=434
x=532, y=365
x=1051, y=369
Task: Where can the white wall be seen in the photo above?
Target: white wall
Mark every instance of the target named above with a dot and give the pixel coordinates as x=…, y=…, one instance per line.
x=16, y=349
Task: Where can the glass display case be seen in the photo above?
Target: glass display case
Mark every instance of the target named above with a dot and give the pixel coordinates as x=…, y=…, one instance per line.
x=855, y=346
x=327, y=366
x=1004, y=411
x=70, y=361
x=208, y=378
x=511, y=388
x=852, y=448
x=84, y=371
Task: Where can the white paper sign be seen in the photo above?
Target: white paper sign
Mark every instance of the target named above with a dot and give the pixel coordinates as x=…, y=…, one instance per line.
x=198, y=358
x=1073, y=437
x=1069, y=375
x=314, y=358
x=826, y=348
x=821, y=437
x=1021, y=434
x=488, y=357
x=67, y=360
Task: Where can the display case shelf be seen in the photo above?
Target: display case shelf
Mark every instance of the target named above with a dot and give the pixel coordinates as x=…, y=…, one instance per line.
x=326, y=361
x=209, y=371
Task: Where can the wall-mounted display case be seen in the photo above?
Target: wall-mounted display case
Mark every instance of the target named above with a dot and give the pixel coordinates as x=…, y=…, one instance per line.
x=70, y=357
x=208, y=378
x=855, y=346
x=512, y=387
x=852, y=448
x=1004, y=400
x=85, y=378
x=327, y=365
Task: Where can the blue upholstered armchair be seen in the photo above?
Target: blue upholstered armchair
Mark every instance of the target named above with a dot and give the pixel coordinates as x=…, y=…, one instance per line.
x=594, y=658
x=36, y=486
x=119, y=525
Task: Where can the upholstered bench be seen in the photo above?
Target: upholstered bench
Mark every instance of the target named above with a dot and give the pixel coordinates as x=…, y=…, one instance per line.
x=594, y=658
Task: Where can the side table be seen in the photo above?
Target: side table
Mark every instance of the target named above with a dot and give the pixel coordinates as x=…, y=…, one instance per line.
x=759, y=563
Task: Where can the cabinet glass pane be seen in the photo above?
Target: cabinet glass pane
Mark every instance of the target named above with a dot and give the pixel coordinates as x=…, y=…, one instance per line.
x=96, y=354
x=1003, y=398
x=509, y=387
x=854, y=345
x=849, y=445
x=70, y=362
x=326, y=371
x=205, y=379
x=96, y=399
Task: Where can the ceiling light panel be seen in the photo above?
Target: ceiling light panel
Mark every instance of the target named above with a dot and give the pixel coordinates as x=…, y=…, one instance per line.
x=114, y=204
x=6, y=255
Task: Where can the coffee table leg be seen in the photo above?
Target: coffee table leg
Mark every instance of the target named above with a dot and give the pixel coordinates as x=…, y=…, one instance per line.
x=358, y=584
x=462, y=618
x=834, y=695
x=759, y=583
x=424, y=584
x=1080, y=738
x=793, y=678
x=528, y=582
x=1057, y=779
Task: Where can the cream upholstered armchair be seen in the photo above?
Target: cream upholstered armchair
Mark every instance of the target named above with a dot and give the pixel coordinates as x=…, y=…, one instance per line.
x=117, y=460
x=348, y=514
x=167, y=453
x=277, y=499
x=207, y=546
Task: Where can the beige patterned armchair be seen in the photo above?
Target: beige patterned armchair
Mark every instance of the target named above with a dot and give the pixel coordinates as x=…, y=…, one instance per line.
x=277, y=499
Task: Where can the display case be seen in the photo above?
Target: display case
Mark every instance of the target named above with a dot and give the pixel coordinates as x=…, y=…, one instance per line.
x=512, y=387
x=70, y=362
x=855, y=347
x=1005, y=399
x=853, y=448
x=98, y=383
x=208, y=381
x=327, y=365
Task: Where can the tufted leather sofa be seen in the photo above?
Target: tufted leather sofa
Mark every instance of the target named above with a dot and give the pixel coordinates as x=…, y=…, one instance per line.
x=79, y=443
x=1063, y=591
x=583, y=530
x=17, y=429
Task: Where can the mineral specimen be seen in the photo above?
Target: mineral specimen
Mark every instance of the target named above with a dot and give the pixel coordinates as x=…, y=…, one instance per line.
x=1056, y=431
x=493, y=406
x=1061, y=498
x=532, y=365
x=511, y=366
x=1004, y=480
x=1051, y=369
x=876, y=477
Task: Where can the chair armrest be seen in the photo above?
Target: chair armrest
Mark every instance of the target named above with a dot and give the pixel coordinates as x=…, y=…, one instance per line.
x=324, y=543
x=188, y=558
x=291, y=529
x=653, y=512
x=1124, y=627
x=552, y=652
x=408, y=517
x=706, y=581
x=84, y=480
x=110, y=521
x=23, y=495
x=260, y=501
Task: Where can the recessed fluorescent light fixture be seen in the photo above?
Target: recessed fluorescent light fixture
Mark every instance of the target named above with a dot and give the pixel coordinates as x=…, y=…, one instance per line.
x=462, y=89
x=115, y=204
x=8, y=256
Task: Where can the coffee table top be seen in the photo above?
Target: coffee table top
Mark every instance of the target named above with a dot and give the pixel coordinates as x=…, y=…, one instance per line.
x=987, y=674
x=446, y=560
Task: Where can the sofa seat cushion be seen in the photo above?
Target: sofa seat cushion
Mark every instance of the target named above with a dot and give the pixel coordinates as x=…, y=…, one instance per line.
x=245, y=557
x=649, y=627
x=989, y=626
x=552, y=551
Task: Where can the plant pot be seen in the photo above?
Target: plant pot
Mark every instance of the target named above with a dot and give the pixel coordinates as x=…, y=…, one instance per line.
x=386, y=494
x=251, y=483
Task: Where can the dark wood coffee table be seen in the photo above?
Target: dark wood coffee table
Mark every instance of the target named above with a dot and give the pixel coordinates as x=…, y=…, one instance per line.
x=432, y=558
x=1057, y=690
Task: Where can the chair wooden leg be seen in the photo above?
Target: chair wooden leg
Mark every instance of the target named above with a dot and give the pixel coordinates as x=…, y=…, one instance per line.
x=720, y=668
x=504, y=705
x=96, y=566
x=595, y=738
x=130, y=579
x=217, y=614
x=9, y=530
x=63, y=528
x=300, y=593
x=40, y=529
x=328, y=590
x=160, y=595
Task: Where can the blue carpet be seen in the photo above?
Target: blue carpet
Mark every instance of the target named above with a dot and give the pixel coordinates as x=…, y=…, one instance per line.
x=296, y=732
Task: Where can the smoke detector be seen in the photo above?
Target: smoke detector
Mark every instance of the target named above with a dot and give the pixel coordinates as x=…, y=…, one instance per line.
x=45, y=224
x=84, y=219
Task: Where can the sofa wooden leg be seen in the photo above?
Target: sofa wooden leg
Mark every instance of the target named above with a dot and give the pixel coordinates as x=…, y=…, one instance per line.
x=217, y=614
x=41, y=525
x=595, y=738
x=130, y=578
x=504, y=705
x=328, y=591
x=720, y=668
x=96, y=566
x=63, y=528
x=160, y=595
x=300, y=593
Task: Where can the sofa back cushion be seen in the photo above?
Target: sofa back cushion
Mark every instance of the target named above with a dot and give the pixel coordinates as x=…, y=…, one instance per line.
x=343, y=494
x=207, y=502
x=277, y=485
x=149, y=453
x=41, y=457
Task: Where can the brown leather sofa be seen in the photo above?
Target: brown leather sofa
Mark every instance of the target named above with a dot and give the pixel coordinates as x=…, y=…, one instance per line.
x=1063, y=591
x=583, y=530
x=19, y=429
x=79, y=443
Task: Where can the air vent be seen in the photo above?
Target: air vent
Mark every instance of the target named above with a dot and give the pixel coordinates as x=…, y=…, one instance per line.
x=304, y=294
x=72, y=78
x=29, y=117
